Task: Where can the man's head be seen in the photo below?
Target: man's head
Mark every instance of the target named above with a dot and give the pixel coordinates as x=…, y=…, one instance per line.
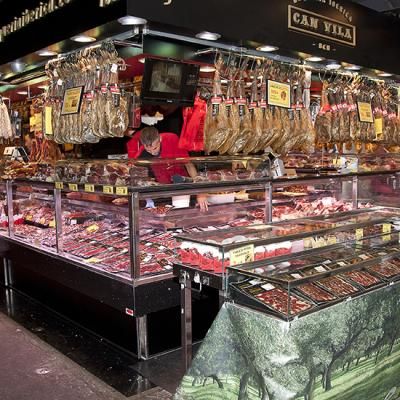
x=151, y=141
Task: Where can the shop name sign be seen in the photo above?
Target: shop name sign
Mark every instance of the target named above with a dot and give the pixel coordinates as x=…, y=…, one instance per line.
x=37, y=13
x=308, y=22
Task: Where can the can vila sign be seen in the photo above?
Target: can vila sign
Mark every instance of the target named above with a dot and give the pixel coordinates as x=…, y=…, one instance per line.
x=318, y=25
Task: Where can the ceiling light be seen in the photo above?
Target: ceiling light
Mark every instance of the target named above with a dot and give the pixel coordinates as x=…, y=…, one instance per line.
x=208, y=35
x=44, y=87
x=47, y=53
x=333, y=65
x=207, y=68
x=17, y=66
x=353, y=67
x=315, y=59
x=384, y=74
x=83, y=39
x=267, y=48
x=22, y=92
x=130, y=20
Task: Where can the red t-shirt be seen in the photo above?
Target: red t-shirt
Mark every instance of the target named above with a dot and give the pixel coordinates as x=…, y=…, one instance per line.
x=163, y=172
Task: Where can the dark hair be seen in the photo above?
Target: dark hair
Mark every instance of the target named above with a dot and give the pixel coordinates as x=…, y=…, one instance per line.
x=149, y=135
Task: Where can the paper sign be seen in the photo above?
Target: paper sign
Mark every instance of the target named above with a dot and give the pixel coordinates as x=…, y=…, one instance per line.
x=89, y=188
x=32, y=123
x=242, y=255
x=278, y=94
x=108, y=189
x=386, y=228
x=121, y=190
x=72, y=101
x=378, y=126
x=48, y=121
x=359, y=234
x=73, y=187
x=365, y=112
x=59, y=185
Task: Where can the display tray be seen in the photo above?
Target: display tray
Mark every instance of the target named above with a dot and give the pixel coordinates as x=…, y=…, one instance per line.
x=272, y=298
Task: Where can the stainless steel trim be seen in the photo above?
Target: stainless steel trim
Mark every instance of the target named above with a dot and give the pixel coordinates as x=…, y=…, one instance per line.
x=142, y=339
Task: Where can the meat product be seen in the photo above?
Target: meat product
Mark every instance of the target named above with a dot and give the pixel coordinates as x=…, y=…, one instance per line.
x=5, y=122
x=280, y=301
x=386, y=270
x=316, y=293
x=323, y=121
x=215, y=128
x=337, y=286
x=362, y=278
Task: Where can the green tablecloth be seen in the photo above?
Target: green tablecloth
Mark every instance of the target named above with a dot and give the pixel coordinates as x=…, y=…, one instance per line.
x=349, y=351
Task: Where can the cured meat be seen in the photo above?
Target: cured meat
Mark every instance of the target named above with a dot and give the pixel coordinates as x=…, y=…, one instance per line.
x=362, y=278
x=316, y=293
x=323, y=121
x=337, y=286
x=280, y=301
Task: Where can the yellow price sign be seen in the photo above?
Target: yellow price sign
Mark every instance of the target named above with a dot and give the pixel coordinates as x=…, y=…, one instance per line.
x=365, y=112
x=73, y=187
x=89, y=188
x=108, y=189
x=59, y=185
x=332, y=240
x=359, y=234
x=121, y=191
x=242, y=255
x=386, y=228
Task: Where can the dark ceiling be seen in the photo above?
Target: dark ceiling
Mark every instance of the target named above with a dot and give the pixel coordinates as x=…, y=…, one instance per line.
x=384, y=6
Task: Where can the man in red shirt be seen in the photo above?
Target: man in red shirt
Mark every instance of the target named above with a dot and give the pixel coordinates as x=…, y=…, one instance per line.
x=164, y=145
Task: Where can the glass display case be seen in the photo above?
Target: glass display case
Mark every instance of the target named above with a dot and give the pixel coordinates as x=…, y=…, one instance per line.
x=213, y=251
x=299, y=284
x=114, y=218
x=3, y=209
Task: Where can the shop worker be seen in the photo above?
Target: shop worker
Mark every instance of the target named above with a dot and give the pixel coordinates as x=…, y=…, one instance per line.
x=151, y=144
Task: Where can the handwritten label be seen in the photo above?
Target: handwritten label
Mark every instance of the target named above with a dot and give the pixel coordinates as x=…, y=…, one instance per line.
x=386, y=228
x=242, y=255
x=89, y=188
x=108, y=189
x=359, y=234
x=73, y=187
x=121, y=190
x=320, y=269
x=59, y=185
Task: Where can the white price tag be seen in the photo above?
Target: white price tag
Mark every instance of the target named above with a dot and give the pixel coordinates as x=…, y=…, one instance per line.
x=296, y=276
x=268, y=286
x=320, y=268
x=59, y=82
x=114, y=68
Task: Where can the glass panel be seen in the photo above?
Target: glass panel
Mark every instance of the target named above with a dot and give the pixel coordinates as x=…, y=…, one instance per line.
x=95, y=231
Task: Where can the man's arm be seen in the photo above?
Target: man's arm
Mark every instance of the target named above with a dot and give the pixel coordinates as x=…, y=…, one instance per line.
x=201, y=198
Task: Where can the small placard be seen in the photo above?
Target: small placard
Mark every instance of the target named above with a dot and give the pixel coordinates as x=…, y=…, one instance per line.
x=296, y=276
x=59, y=185
x=268, y=287
x=242, y=255
x=320, y=268
x=73, y=187
x=48, y=120
x=72, y=100
x=359, y=234
x=121, y=191
x=365, y=112
x=278, y=94
x=89, y=188
x=108, y=189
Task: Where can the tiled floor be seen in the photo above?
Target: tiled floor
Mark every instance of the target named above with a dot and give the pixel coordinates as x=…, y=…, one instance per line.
x=44, y=356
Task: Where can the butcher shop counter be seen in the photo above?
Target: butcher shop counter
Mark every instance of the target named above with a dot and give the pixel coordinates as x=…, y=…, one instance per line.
x=114, y=245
